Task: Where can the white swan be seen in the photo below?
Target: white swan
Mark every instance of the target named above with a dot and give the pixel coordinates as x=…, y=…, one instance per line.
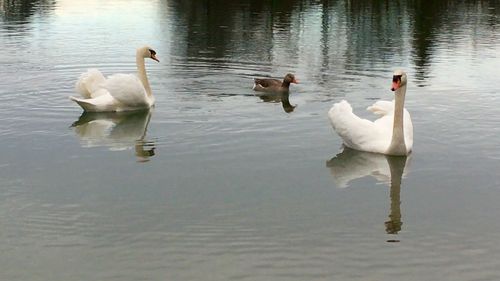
x=391, y=134
x=120, y=92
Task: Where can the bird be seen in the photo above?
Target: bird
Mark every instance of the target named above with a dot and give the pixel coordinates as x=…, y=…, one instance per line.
x=274, y=85
x=391, y=134
x=118, y=92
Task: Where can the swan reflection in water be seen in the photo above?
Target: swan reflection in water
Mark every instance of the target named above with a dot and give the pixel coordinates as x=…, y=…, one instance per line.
x=117, y=131
x=351, y=164
x=275, y=97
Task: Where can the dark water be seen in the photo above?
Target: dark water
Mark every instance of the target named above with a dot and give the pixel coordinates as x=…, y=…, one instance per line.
x=219, y=184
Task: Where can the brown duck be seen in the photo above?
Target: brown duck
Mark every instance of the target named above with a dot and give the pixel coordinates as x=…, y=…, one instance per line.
x=274, y=85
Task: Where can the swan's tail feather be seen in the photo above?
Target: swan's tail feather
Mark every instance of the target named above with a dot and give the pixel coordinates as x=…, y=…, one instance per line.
x=89, y=83
x=338, y=108
x=353, y=130
x=85, y=104
x=104, y=103
x=338, y=113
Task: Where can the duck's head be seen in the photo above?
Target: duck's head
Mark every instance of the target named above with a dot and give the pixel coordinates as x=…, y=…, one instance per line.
x=290, y=78
x=398, y=79
x=148, y=52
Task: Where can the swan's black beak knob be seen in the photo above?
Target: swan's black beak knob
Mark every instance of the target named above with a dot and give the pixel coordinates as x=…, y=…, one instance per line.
x=153, y=55
x=396, y=82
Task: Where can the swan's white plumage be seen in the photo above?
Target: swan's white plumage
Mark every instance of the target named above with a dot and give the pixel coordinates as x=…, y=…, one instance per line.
x=119, y=92
x=365, y=135
x=101, y=103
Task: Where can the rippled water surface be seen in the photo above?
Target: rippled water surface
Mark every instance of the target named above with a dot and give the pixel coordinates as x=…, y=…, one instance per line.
x=217, y=183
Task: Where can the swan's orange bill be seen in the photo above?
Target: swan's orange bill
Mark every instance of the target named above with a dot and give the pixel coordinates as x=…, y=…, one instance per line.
x=395, y=86
x=154, y=57
x=295, y=81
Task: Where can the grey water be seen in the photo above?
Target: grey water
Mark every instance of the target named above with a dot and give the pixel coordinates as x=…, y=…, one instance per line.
x=217, y=183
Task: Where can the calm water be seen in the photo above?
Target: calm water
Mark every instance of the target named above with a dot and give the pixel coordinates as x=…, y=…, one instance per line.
x=218, y=184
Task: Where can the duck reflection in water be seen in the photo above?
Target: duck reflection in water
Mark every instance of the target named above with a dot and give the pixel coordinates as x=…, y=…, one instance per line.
x=275, y=97
x=351, y=164
x=117, y=131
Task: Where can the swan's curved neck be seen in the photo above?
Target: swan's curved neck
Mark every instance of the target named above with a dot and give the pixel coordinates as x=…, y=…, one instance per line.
x=141, y=73
x=398, y=146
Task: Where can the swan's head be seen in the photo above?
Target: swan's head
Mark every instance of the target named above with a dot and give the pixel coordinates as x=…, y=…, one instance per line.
x=398, y=80
x=148, y=52
x=290, y=78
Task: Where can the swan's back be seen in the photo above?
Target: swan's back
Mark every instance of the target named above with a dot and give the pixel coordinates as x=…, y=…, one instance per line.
x=128, y=90
x=357, y=133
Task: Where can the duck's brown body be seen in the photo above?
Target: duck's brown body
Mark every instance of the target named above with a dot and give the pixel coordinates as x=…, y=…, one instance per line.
x=274, y=85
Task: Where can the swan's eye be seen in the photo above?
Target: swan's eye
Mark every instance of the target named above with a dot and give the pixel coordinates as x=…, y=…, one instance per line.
x=152, y=52
x=396, y=78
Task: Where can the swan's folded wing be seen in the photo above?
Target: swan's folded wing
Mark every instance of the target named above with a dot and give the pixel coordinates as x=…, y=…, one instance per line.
x=127, y=89
x=357, y=133
x=89, y=83
x=381, y=108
